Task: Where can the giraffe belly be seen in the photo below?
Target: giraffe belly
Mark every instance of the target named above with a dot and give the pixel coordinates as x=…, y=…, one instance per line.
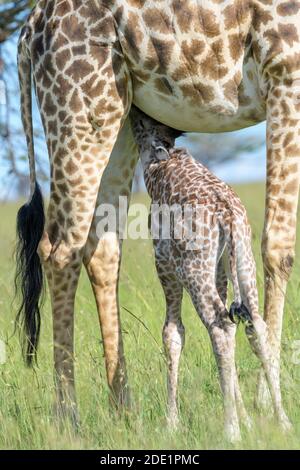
x=188, y=65
x=194, y=117
x=196, y=104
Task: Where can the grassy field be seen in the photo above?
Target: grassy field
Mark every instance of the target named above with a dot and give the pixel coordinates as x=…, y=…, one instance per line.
x=26, y=396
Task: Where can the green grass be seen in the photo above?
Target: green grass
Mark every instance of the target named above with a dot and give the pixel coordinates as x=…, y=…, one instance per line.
x=26, y=396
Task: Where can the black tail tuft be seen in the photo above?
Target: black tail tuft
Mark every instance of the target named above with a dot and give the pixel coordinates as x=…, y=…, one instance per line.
x=29, y=274
x=239, y=312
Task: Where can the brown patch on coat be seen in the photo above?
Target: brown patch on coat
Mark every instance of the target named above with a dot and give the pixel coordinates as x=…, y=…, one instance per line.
x=184, y=14
x=198, y=92
x=49, y=106
x=79, y=69
x=211, y=69
x=236, y=14
x=72, y=28
x=71, y=168
x=236, y=46
x=261, y=17
x=288, y=32
x=61, y=58
x=192, y=49
x=288, y=8
x=209, y=25
x=157, y=20
x=133, y=35
x=75, y=102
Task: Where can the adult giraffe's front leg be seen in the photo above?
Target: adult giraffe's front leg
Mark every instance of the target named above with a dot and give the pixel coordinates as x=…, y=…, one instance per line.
x=103, y=256
x=278, y=242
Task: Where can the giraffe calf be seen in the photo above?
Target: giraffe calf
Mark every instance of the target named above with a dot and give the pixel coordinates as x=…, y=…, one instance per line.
x=208, y=226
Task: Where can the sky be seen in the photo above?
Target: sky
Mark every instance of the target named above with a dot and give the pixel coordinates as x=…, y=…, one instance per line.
x=246, y=168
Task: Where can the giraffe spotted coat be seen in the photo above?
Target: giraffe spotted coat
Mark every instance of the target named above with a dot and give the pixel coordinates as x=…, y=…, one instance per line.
x=195, y=259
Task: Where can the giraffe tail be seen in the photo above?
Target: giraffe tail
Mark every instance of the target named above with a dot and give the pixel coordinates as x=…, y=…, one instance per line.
x=30, y=226
x=238, y=311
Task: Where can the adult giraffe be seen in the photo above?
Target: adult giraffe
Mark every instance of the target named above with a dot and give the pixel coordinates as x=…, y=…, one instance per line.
x=206, y=66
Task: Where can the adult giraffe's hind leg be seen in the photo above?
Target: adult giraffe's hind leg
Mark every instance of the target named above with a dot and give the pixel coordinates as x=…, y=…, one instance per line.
x=283, y=178
x=102, y=258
